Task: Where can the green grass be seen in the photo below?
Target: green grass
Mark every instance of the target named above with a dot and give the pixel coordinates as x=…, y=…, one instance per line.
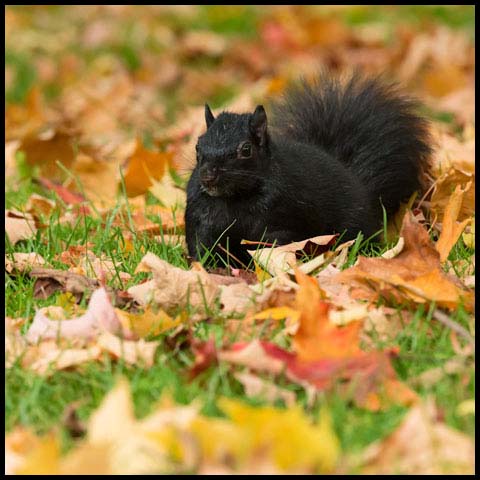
x=40, y=402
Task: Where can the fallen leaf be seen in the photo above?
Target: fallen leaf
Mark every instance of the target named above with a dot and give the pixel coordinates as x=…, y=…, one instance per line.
x=66, y=195
x=252, y=355
x=168, y=193
x=421, y=445
x=237, y=297
x=317, y=337
x=148, y=322
x=287, y=438
x=38, y=205
x=281, y=259
x=451, y=229
x=173, y=287
x=132, y=352
x=100, y=314
x=19, y=226
x=22, y=262
x=49, y=280
x=258, y=387
x=416, y=271
x=144, y=166
x=44, y=150
x=98, y=179
x=61, y=358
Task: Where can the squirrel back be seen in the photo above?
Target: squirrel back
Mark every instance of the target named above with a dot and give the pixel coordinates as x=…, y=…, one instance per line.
x=365, y=123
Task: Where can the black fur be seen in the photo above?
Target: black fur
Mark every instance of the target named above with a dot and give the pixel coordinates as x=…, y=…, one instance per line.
x=332, y=154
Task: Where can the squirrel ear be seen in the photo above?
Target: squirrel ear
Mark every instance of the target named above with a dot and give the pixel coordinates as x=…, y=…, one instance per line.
x=258, y=124
x=209, y=118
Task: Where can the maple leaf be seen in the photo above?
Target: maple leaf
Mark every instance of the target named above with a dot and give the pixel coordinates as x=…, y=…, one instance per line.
x=451, y=229
x=171, y=286
x=144, y=166
x=317, y=337
x=416, y=271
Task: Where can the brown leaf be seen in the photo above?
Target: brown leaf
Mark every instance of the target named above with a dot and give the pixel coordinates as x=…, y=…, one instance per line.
x=50, y=280
x=173, y=287
x=22, y=262
x=237, y=297
x=422, y=445
x=19, y=226
x=258, y=387
x=132, y=352
x=98, y=178
x=416, y=271
x=48, y=148
x=451, y=229
x=56, y=358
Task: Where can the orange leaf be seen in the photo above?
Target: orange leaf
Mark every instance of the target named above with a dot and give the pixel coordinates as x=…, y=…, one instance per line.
x=317, y=337
x=145, y=165
x=416, y=270
x=451, y=229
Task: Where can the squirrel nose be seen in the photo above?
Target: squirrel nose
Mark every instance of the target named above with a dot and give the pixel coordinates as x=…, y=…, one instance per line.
x=210, y=176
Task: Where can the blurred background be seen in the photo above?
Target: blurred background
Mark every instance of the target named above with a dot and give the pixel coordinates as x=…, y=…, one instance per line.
x=105, y=74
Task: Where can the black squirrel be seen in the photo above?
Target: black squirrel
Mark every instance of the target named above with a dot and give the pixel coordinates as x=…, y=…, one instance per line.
x=334, y=153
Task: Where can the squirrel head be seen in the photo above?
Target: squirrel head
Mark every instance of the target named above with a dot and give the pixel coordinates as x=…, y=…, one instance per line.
x=232, y=152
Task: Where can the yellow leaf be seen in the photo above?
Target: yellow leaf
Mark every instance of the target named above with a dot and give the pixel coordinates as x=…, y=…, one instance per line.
x=148, y=322
x=168, y=193
x=451, y=229
x=469, y=237
x=43, y=460
x=277, y=313
x=261, y=273
x=443, y=79
x=288, y=435
x=104, y=425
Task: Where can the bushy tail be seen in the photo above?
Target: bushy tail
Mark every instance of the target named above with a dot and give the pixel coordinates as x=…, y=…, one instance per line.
x=367, y=124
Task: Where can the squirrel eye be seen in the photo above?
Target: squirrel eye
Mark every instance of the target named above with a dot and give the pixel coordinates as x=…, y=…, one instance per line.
x=246, y=150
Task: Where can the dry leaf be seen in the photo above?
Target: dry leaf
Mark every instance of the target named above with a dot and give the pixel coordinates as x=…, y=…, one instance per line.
x=276, y=260
x=50, y=280
x=132, y=352
x=252, y=355
x=237, y=297
x=144, y=166
x=22, y=261
x=168, y=193
x=451, y=229
x=258, y=387
x=286, y=439
x=416, y=270
x=61, y=358
x=19, y=226
x=99, y=315
x=317, y=337
x=172, y=287
x=148, y=322
x=422, y=445
x=98, y=178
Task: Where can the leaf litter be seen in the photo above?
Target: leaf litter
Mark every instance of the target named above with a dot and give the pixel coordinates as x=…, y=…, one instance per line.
x=305, y=318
